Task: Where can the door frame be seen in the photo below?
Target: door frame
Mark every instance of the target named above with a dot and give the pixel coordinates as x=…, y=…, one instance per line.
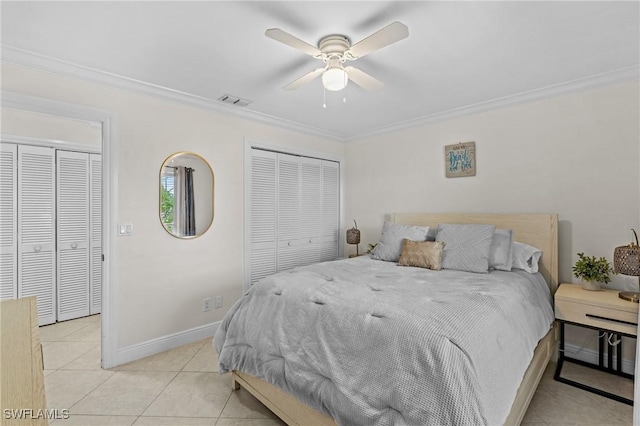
x=109, y=123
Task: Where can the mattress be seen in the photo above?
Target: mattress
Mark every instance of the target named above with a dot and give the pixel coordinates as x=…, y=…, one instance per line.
x=372, y=343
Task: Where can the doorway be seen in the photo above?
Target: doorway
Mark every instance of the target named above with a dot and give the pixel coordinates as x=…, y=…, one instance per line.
x=106, y=122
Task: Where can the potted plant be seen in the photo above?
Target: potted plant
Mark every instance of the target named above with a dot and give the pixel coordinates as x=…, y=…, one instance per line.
x=592, y=271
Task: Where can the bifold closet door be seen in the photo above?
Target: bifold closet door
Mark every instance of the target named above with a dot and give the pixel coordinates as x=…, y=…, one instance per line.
x=95, y=242
x=330, y=210
x=73, y=234
x=263, y=211
x=288, y=196
x=309, y=244
x=8, y=221
x=36, y=229
x=294, y=208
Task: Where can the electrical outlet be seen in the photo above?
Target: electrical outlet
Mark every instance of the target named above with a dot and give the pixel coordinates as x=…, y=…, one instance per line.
x=218, y=302
x=206, y=304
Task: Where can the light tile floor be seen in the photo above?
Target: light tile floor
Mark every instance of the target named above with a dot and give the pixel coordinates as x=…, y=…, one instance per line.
x=182, y=386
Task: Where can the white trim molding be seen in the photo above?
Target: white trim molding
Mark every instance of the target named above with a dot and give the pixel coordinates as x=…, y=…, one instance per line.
x=56, y=66
x=591, y=356
x=51, y=143
x=605, y=79
x=40, y=62
x=164, y=343
x=109, y=123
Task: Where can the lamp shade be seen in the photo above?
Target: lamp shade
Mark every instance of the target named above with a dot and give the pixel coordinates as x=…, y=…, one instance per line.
x=335, y=79
x=626, y=260
x=353, y=236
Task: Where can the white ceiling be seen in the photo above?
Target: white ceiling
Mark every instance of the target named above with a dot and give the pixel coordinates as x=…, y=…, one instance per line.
x=459, y=56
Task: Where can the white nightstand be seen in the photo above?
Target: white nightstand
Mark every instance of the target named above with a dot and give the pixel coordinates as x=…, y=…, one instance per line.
x=605, y=312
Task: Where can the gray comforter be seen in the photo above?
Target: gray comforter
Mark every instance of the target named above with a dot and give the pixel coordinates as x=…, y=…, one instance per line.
x=372, y=343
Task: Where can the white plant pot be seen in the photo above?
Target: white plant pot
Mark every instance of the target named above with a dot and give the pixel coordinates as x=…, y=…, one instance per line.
x=591, y=285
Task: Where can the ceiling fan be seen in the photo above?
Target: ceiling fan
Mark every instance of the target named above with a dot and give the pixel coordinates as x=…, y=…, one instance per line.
x=334, y=50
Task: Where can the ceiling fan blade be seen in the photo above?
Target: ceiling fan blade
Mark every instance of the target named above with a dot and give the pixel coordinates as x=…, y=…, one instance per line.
x=363, y=79
x=286, y=38
x=304, y=79
x=392, y=33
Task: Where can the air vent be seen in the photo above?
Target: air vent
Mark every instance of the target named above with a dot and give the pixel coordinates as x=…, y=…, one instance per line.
x=234, y=100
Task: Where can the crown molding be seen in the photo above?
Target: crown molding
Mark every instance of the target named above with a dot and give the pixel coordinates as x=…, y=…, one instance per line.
x=44, y=63
x=591, y=82
x=40, y=62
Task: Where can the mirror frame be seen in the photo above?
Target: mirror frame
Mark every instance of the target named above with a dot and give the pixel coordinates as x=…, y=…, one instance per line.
x=213, y=193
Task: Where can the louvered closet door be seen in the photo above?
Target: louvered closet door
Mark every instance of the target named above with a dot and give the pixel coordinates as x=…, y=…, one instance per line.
x=330, y=210
x=310, y=211
x=73, y=234
x=8, y=222
x=262, y=224
x=36, y=229
x=95, y=242
x=288, y=211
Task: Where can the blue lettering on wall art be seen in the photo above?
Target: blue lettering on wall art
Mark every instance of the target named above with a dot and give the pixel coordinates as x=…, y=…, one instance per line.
x=459, y=160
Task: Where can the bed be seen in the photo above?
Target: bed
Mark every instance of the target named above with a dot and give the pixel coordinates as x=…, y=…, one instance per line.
x=402, y=394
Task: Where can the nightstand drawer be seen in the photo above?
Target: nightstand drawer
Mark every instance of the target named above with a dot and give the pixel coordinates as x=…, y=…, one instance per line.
x=597, y=316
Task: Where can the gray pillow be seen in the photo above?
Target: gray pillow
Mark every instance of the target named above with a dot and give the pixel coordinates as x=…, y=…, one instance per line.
x=390, y=244
x=466, y=247
x=500, y=254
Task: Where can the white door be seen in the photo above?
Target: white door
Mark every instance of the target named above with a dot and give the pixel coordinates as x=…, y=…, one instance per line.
x=310, y=211
x=36, y=229
x=292, y=212
x=95, y=242
x=263, y=209
x=73, y=234
x=288, y=211
x=8, y=222
x=330, y=210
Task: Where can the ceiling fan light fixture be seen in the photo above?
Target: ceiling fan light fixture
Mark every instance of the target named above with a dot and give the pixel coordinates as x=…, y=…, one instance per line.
x=335, y=79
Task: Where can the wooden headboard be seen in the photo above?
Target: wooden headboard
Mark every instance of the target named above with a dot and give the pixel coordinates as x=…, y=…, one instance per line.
x=538, y=230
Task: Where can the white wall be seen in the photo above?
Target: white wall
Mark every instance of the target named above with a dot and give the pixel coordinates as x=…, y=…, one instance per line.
x=17, y=122
x=162, y=279
x=576, y=155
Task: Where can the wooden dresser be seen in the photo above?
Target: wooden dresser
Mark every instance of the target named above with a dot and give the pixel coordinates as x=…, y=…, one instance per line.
x=21, y=364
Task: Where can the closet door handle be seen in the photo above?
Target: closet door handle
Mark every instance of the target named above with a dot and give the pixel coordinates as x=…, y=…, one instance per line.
x=37, y=249
x=74, y=245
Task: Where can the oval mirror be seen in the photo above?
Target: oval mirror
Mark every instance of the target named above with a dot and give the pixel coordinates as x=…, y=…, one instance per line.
x=186, y=195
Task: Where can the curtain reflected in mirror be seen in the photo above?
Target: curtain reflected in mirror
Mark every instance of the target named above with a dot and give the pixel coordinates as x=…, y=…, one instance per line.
x=186, y=195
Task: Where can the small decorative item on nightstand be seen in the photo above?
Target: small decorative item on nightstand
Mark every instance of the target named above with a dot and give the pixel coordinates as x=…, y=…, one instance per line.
x=626, y=260
x=353, y=237
x=592, y=271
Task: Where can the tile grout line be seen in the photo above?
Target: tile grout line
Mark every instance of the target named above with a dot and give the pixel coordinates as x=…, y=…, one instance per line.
x=224, y=406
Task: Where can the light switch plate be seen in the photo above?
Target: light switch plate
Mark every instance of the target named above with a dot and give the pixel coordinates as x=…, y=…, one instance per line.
x=125, y=229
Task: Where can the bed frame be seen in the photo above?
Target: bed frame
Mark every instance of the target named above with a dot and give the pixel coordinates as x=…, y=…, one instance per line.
x=539, y=230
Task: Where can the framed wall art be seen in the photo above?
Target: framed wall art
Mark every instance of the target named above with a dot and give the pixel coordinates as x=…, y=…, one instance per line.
x=460, y=159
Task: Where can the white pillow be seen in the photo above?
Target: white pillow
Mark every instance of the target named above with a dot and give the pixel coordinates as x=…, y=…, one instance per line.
x=390, y=245
x=500, y=253
x=525, y=257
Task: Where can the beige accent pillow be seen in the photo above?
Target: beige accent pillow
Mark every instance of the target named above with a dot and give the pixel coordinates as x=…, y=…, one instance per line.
x=423, y=254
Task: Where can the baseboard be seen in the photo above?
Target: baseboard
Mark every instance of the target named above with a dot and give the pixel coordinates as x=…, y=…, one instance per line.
x=164, y=343
x=591, y=356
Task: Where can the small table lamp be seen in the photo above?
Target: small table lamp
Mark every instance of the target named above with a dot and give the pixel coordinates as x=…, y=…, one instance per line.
x=353, y=237
x=626, y=261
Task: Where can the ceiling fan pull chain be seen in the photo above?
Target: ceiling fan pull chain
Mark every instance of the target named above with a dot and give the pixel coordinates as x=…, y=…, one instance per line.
x=324, y=97
x=344, y=98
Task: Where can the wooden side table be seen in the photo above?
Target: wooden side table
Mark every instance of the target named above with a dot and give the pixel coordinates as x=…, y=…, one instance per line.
x=605, y=312
x=23, y=396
